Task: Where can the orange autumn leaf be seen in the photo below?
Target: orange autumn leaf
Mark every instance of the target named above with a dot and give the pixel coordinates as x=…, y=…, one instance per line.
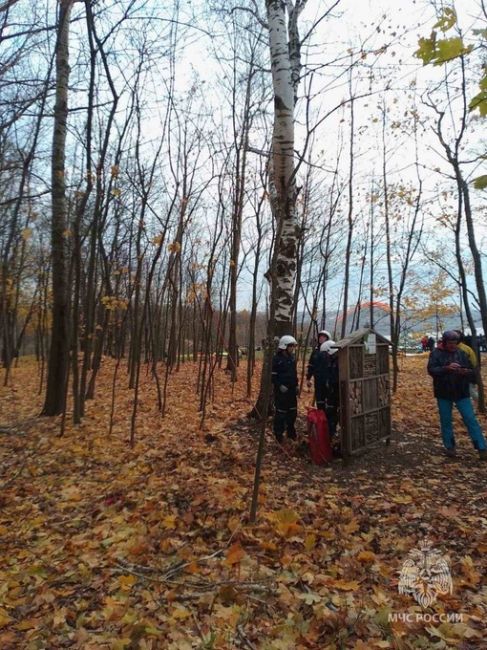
x=235, y=554
x=352, y=527
x=192, y=568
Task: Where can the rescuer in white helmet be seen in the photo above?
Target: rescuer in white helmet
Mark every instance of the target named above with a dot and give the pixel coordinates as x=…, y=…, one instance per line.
x=317, y=371
x=285, y=382
x=330, y=396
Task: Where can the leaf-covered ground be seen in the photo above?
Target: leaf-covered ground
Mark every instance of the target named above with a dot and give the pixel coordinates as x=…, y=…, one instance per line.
x=104, y=546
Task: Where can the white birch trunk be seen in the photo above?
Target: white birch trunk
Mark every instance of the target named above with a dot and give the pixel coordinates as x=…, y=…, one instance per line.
x=282, y=186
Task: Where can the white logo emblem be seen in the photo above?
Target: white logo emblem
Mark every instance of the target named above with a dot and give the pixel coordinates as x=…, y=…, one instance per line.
x=425, y=575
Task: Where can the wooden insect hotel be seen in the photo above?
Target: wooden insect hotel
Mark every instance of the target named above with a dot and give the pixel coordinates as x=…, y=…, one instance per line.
x=365, y=403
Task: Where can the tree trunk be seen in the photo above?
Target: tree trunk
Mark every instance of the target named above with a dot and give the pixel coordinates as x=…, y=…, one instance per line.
x=285, y=65
x=59, y=349
x=282, y=176
x=348, y=252
x=282, y=188
x=476, y=257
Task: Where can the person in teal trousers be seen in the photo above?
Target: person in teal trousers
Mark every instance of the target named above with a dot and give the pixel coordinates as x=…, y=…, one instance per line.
x=452, y=375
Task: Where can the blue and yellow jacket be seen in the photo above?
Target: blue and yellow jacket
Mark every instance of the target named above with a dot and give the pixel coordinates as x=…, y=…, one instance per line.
x=448, y=384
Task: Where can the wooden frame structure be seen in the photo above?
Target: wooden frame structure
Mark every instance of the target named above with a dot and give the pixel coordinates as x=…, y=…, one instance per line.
x=365, y=401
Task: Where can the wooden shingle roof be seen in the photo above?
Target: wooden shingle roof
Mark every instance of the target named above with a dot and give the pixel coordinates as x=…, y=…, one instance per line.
x=358, y=336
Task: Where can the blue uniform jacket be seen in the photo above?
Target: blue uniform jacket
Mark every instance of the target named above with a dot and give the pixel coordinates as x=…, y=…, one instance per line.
x=323, y=367
x=284, y=372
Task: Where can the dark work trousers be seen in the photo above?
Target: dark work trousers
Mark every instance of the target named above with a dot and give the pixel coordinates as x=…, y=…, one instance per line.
x=286, y=409
x=326, y=396
x=320, y=394
x=332, y=403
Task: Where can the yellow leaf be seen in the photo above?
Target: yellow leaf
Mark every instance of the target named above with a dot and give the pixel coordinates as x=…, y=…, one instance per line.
x=29, y=624
x=119, y=644
x=151, y=630
x=169, y=522
x=127, y=582
x=233, y=523
x=285, y=596
x=345, y=585
x=5, y=619
x=26, y=233
x=175, y=247
x=472, y=575
x=366, y=556
x=130, y=617
x=328, y=534
x=59, y=617
x=407, y=498
x=309, y=542
x=379, y=597
x=286, y=521
x=230, y=615
x=360, y=645
x=179, y=613
x=267, y=546
x=71, y=493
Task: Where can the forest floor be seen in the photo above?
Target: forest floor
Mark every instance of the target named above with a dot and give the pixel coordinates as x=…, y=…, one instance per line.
x=108, y=547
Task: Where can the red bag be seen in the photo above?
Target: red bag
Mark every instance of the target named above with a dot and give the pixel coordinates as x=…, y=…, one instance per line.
x=318, y=437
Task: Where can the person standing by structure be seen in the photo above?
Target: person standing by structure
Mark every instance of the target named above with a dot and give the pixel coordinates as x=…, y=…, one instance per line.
x=332, y=395
x=317, y=370
x=452, y=374
x=286, y=391
x=469, y=351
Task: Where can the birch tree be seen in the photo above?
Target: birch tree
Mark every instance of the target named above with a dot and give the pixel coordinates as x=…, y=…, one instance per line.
x=284, y=51
x=285, y=57
x=284, y=47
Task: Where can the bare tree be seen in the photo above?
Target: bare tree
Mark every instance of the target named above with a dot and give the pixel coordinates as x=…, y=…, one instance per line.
x=59, y=348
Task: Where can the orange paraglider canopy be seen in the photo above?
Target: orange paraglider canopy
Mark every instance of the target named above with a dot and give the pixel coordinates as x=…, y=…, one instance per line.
x=366, y=305
x=375, y=303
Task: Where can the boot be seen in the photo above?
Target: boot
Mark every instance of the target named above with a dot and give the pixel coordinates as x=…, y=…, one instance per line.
x=451, y=453
x=483, y=454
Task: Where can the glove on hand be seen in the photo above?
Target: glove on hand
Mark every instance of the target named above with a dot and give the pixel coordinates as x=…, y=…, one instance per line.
x=283, y=388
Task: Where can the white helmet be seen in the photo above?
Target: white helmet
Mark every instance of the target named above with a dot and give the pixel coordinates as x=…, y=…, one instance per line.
x=324, y=333
x=326, y=347
x=286, y=340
